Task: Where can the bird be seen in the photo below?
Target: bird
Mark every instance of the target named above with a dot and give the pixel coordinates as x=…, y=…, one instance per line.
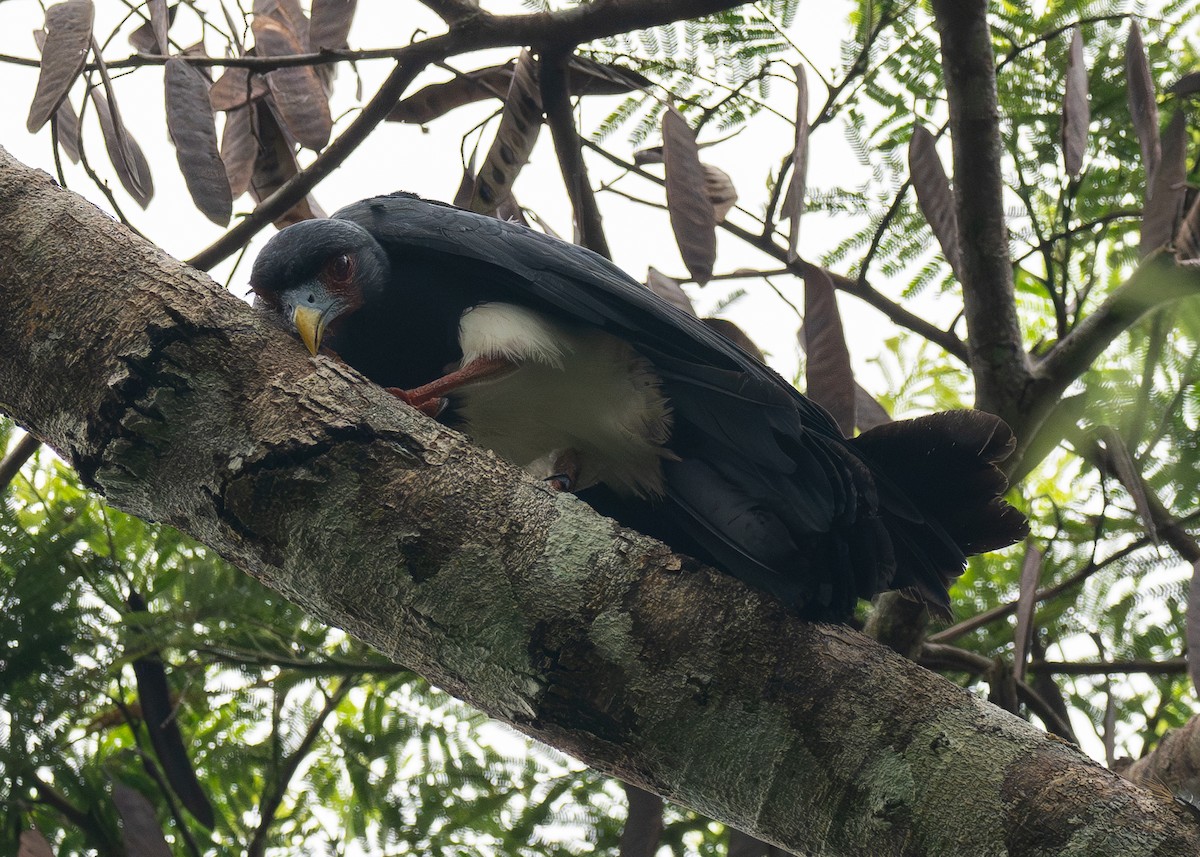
x=558, y=361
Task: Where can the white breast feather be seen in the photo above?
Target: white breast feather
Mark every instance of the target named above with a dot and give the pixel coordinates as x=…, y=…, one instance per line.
x=576, y=389
x=509, y=331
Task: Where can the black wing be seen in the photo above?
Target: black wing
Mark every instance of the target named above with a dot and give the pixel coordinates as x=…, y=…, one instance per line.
x=765, y=485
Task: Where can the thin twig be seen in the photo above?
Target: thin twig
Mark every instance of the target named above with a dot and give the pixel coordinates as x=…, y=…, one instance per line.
x=269, y=804
x=15, y=460
x=1051, y=35
x=881, y=228
x=298, y=186
x=783, y=34
x=1158, y=280
x=938, y=656
x=1058, y=299
x=857, y=69
x=864, y=291
x=327, y=666
x=1146, y=666
x=1162, y=523
x=988, y=616
x=1083, y=226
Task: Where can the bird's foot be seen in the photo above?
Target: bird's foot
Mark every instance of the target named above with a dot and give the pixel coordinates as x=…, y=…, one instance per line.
x=429, y=399
x=564, y=470
x=430, y=406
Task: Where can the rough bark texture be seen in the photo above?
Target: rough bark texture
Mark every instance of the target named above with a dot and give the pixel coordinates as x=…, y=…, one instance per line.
x=998, y=358
x=1173, y=766
x=183, y=405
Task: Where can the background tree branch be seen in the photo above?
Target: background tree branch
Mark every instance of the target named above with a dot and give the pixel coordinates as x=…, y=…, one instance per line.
x=556, y=100
x=998, y=358
x=555, y=31
x=1157, y=281
x=1174, y=765
x=860, y=288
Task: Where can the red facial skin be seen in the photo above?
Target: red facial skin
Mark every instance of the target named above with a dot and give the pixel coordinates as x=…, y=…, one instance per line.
x=338, y=279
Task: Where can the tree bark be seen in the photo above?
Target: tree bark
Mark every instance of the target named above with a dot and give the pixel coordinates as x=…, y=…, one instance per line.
x=183, y=405
x=998, y=358
x=1173, y=766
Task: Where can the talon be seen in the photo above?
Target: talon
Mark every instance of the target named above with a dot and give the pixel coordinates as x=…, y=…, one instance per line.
x=428, y=399
x=564, y=470
x=433, y=407
x=430, y=407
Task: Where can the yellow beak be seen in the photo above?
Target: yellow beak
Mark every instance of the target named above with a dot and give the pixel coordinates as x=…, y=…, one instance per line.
x=311, y=327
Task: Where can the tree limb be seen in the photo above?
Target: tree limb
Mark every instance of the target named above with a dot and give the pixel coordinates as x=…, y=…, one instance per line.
x=998, y=357
x=184, y=405
x=986, y=617
x=1146, y=666
x=951, y=658
x=298, y=186
x=95, y=833
x=1174, y=764
x=1158, y=280
x=16, y=458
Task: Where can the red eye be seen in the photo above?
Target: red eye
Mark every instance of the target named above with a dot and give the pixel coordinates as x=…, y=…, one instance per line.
x=341, y=267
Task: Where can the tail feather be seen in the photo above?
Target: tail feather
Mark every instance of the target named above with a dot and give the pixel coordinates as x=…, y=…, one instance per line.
x=945, y=466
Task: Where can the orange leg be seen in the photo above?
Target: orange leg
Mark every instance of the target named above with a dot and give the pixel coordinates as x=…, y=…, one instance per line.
x=430, y=399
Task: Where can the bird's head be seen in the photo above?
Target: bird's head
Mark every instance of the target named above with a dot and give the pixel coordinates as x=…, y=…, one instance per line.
x=317, y=272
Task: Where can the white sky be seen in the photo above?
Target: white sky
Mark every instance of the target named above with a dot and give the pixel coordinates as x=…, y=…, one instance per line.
x=404, y=157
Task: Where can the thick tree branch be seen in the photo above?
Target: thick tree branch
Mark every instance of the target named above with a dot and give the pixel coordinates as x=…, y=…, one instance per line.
x=183, y=405
x=1174, y=764
x=998, y=357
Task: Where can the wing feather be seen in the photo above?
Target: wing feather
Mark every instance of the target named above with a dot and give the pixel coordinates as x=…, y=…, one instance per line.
x=765, y=483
